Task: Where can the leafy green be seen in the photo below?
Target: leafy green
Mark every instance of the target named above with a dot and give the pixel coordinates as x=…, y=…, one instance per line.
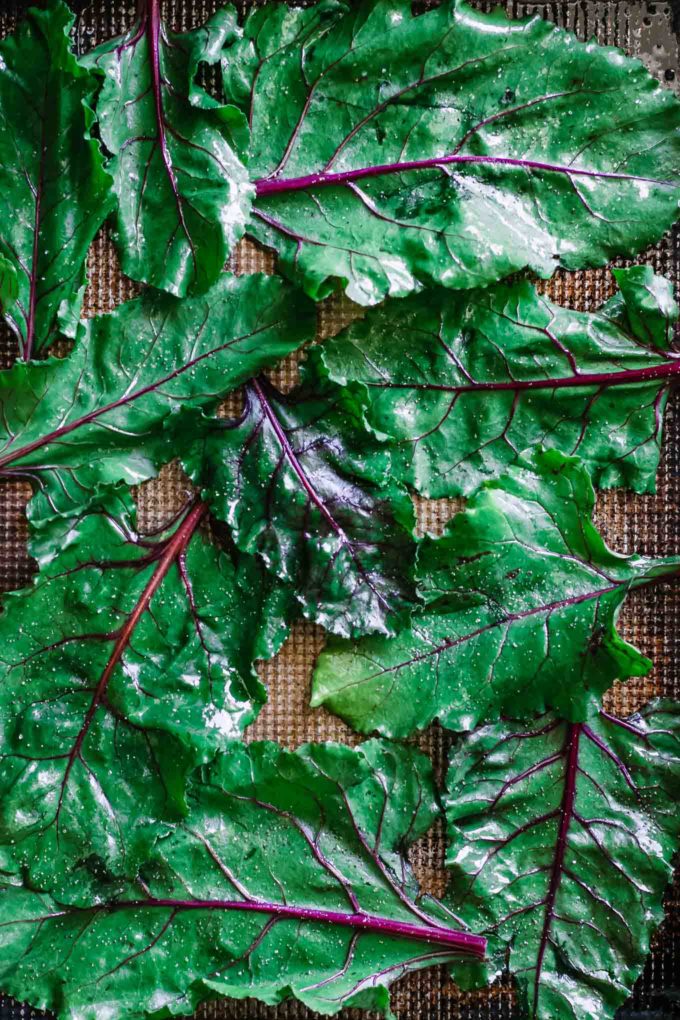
x=522, y=596
x=562, y=839
x=288, y=879
x=9, y=285
x=301, y=481
x=463, y=382
x=128, y=661
x=392, y=151
x=183, y=194
x=100, y=416
x=54, y=192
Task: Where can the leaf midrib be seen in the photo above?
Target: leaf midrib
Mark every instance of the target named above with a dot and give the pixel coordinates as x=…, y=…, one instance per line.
x=86, y=419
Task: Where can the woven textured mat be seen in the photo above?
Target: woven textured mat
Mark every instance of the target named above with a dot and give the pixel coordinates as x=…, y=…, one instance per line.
x=648, y=524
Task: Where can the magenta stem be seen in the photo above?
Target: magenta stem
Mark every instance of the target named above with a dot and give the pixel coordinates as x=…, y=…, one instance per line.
x=571, y=750
x=666, y=370
x=460, y=941
x=275, y=185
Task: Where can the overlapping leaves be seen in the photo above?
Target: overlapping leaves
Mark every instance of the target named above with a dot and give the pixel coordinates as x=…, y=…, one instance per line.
x=129, y=660
x=54, y=193
x=562, y=837
x=101, y=415
x=183, y=194
x=302, y=481
x=463, y=382
x=522, y=596
x=288, y=878
x=385, y=152
x=391, y=151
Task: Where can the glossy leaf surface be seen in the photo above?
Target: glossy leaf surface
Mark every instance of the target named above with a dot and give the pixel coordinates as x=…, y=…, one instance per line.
x=54, y=193
x=9, y=285
x=129, y=660
x=183, y=194
x=289, y=878
x=522, y=598
x=392, y=151
x=465, y=381
x=562, y=839
x=101, y=415
x=302, y=481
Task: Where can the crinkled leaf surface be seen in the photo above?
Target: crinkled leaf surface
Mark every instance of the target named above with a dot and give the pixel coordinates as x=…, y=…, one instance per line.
x=562, y=838
x=183, y=194
x=99, y=416
x=464, y=382
x=54, y=192
x=391, y=151
x=129, y=660
x=522, y=598
x=288, y=878
x=303, y=482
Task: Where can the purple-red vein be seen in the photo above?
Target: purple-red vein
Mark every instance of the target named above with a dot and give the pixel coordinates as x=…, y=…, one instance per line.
x=626, y=377
x=571, y=750
x=550, y=607
x=434, y=934
x=154, y=32
x=277, y=185
x=174, y=549
x=27, y=352
x=311, y=492
x=64, y=430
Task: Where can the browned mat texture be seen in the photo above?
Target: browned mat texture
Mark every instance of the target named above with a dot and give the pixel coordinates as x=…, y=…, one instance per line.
x=647, y=524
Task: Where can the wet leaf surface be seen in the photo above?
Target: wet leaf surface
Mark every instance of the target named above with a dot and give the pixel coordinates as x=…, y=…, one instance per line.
x=392, y=151
x=465, y=382
x=288, y=878
x=561, y=845
x=303, y=482
x=522, y=599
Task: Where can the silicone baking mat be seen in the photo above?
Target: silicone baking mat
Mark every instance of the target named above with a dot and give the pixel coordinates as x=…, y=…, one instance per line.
x=648, y=524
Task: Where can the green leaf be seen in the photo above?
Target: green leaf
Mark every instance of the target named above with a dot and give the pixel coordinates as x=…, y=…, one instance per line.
x=183, y=194
x=522, y=599
x=562, y=839
x=128, y=661
x=392, y=151
x=100, y=416
x=54, y=192
x=9, y=285
x=302, y=482
x=464, y=381
x=288, y=879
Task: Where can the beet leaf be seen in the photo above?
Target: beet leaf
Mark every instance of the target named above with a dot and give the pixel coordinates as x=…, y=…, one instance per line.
x=288, y=879
x=183, y=194
x=522, y=598
x=105, y=413
x=128, y=661
x=562, y=838
x=454, y=147
x=303, y=482
x=54, y=192
x=463, y=382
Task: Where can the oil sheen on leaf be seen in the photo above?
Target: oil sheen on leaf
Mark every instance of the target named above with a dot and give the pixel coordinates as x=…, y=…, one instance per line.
x=129, y=660
x=561, y=845
x=303, y=482
x=522, y=599
x=463, y=382
x=183, y=194
x=392, y=151
x=288, y=879
x=106, y=413
x=54, y=193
